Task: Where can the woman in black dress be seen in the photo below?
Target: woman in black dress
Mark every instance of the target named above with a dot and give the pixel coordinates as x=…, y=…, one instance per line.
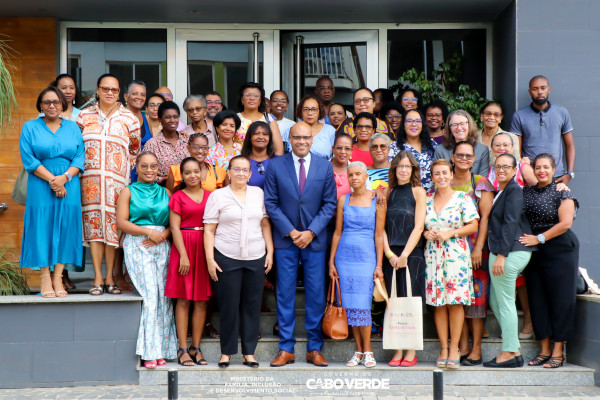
x=551, y=274
x=403, y=244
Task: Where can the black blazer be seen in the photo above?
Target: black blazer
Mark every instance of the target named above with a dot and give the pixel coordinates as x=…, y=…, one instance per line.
x=508, y=221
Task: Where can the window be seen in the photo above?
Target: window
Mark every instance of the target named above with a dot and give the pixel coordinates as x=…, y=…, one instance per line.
x=127, y=53
x=426, y=49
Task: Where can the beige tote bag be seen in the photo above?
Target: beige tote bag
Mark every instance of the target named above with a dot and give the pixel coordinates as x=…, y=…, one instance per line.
x=403, y=321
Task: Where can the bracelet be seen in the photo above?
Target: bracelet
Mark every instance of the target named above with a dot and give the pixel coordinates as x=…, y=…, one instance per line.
x=150, y=234
x=389, y=254
x=378, y=268
x=456, y=234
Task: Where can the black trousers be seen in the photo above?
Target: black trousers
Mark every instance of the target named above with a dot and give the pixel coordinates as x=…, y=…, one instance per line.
x=239, y=294
x=552, y=287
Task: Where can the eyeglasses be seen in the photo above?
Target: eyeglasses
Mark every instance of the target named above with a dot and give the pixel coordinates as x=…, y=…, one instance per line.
x=195, y=109
x=199, y=148
x=410, y=98
x=342, y=148
x=463, y=155
x=393, y=116
x=363, y=127
x=379, y=146
x=432, y=115
x=261, y=168
x=106, y=89
x=55, y=103
x=363, y=100
x=463, y=124
x=321, y=88
x=503, y=167
x=251, y=95
x=154, y=105
x=313, y=110
x=492, y=114
x=214, y=102
x=166, y=95
x=239, y=170
x=404, y=166
x=146, y=167
x=306, y=138
x=413, y=121
x=282, y=101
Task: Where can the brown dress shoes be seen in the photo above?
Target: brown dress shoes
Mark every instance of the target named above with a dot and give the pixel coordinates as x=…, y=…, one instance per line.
x=282, y=359
x=316, y=358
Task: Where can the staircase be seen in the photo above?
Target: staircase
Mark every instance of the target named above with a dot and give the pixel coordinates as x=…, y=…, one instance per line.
x=338, y=352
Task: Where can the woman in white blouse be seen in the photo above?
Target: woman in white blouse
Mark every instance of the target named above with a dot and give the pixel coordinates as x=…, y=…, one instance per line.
x=239, y=252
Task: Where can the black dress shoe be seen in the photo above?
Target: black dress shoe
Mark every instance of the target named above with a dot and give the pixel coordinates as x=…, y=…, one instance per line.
x=512, y=363
x=469, y=362
x=251, y=364
x=520, y=361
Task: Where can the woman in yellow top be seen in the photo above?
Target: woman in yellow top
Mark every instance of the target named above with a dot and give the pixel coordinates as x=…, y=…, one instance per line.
x=213, y=177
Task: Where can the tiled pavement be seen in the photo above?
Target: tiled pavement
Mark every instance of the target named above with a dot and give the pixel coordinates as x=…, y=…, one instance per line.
x=411, y=392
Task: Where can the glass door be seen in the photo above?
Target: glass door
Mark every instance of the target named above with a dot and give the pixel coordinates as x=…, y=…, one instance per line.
x=222, y=60
x=349, y=58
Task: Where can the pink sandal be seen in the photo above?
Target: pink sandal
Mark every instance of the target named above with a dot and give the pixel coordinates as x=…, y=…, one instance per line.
x=150, y=364
x=161, y=361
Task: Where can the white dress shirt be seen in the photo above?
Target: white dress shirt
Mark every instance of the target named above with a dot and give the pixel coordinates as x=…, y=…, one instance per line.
x=297, y=165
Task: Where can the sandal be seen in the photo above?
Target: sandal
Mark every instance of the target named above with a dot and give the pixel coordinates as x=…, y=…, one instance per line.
x=61, y=293
x=150, y=364
x=96, y=290
x=555, y=362
x=369, y=360
x=441, y=363
x=186, y=363
x=538, y=360
x=210, y=330
x=453, y=364
x=198, y=361
x=50, y=293
x=161, y=361
x=113, y=289
x=355, y=360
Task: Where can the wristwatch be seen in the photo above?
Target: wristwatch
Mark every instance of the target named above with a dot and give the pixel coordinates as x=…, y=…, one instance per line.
x=68, y=175
x=571, y=174
x=541, y=238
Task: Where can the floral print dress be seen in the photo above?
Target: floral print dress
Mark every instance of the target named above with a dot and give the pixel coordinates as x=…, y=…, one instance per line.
x=449, y=271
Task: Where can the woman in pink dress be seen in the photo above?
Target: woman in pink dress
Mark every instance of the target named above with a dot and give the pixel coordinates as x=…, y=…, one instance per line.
x=187, y=278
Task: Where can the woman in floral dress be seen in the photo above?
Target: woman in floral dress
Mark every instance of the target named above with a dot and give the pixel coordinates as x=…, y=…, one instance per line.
x=450, y=218
x=111, y=135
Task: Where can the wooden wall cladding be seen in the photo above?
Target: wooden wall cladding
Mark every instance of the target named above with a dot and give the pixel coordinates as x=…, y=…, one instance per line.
x=35, y=65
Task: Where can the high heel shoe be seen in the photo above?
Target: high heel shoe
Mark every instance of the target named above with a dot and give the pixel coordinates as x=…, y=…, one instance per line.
x=251, y=364
x=197, y=361
x=49, y=293
x=224, y=364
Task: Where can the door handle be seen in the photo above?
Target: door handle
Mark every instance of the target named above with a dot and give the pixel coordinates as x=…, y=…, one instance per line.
x=3, y=207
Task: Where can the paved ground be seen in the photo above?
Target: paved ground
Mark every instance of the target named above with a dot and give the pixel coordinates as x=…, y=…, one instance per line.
x=303, y=393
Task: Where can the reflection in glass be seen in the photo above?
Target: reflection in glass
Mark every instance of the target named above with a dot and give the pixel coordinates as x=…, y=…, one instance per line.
x=222, y=66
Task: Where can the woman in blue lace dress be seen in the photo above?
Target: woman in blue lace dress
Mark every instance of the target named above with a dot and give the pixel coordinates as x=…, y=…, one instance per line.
x=356, y=253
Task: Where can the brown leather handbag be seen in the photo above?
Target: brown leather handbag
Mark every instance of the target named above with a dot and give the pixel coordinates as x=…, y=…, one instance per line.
x=335, y=320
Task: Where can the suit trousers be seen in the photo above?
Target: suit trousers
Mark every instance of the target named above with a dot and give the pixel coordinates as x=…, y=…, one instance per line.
x=239, y=295
x=551, y=279
x=502, y=297
x=313, y=263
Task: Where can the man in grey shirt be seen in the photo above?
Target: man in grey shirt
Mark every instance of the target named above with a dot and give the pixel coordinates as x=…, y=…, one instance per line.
x=546, y=128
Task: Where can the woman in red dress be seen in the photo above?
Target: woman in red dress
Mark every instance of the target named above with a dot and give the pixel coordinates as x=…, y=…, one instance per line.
x=187, y=279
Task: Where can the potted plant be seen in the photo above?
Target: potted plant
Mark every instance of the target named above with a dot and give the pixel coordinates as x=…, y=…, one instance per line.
x=7, y=92
x=12, y=280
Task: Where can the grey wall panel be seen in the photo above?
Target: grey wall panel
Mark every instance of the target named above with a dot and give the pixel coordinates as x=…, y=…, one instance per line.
x=561, y=40
x=504, y=48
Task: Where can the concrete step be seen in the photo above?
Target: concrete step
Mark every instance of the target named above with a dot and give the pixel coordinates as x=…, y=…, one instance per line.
x=342, y=350
x=241, y=378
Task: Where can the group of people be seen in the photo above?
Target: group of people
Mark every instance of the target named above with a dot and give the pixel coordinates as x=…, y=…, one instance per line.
x=207, y=210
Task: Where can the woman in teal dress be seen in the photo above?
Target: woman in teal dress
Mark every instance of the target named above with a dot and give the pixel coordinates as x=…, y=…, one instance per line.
x=52, y=152
x=143, y=215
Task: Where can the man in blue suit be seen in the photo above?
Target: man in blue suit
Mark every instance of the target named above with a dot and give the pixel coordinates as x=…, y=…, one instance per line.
x=300, y=197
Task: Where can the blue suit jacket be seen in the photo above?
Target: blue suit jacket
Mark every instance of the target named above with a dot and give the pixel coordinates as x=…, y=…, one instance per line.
x=288, y=210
